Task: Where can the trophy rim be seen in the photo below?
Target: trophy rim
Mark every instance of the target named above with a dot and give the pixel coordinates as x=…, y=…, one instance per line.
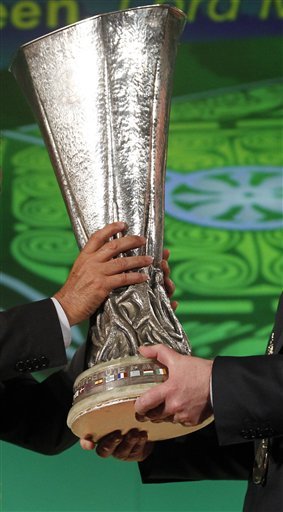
x=169, y=8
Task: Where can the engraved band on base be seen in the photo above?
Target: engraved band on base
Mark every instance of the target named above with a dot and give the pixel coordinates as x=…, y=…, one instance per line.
x=116, y=376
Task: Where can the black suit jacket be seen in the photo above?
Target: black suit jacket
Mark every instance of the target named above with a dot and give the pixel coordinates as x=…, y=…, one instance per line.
x=33, y=414
x=248, y=405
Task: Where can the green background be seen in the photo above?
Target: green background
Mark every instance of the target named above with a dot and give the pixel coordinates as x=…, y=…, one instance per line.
x=223, y=225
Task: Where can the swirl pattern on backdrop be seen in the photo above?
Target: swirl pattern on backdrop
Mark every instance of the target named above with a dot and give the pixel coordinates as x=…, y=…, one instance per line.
x=32, y=184
x=42, y=212
x=196, y=238
x=273, y=270
x=222, y=274
x=54, y=247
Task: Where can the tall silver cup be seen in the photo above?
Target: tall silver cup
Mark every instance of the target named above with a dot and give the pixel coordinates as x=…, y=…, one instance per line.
x=101, y=91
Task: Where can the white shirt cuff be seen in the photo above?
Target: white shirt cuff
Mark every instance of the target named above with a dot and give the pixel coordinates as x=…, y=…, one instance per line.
x=64, y=322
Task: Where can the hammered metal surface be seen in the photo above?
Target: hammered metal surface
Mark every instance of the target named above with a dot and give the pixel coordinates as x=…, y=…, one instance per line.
x=101, y=91
x=138, y=315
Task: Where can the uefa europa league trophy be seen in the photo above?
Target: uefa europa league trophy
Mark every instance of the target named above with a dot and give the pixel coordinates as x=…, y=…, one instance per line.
x=100, y=90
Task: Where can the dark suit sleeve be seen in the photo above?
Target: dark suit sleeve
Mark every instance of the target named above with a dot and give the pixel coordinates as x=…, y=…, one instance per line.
x=30, y=339
x=248, y=397
x=248, y=393
x=34, y=415
x=197, y=456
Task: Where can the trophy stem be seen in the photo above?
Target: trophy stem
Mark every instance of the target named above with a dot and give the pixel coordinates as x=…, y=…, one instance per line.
x=134, y=316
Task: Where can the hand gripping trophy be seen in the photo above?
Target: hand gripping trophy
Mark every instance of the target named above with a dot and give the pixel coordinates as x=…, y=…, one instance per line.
x=101, y=90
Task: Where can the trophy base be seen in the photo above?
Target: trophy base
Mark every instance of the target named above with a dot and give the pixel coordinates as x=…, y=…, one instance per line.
x=95, y=423
x=103, y=402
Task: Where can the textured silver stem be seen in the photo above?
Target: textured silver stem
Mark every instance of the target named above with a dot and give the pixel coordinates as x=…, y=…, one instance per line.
x=137, y=315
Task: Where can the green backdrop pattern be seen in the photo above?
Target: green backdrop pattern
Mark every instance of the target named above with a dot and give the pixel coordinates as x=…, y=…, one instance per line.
x=223, y=213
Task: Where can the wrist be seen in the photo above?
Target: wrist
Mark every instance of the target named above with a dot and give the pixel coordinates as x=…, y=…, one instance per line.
x=64, y=322
x=67, y=308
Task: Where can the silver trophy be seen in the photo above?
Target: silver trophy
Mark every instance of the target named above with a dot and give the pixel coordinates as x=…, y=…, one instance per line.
x=101, y=91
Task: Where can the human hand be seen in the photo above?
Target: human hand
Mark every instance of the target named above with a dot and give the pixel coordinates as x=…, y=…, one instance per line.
x=185, y=396
x=97, y=271
x=131, y=447
x=168, y=283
